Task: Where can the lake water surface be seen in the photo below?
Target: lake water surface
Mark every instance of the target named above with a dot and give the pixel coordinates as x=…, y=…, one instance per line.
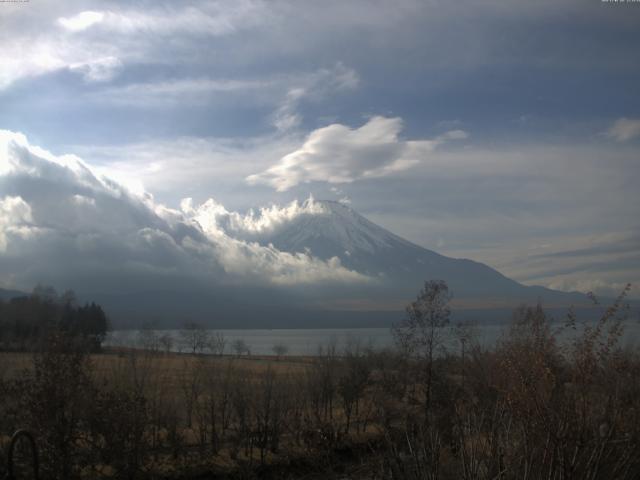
x=309, y=341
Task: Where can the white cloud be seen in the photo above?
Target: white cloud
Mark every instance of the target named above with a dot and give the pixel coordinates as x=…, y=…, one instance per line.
x=624, y=129
x=81, y=21
x=212, y=20
x=340, y=154
x=20, y=61
x=42, y=54
x=91, y=225
x=215, y=219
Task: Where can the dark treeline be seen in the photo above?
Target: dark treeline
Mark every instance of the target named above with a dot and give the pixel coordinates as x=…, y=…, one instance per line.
x=26, y=322
x=528, y=408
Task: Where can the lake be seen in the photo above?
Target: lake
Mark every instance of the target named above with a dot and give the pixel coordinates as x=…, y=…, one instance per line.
x=309, y=341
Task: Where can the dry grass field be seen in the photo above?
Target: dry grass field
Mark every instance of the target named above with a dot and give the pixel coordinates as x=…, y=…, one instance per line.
x=171, y=365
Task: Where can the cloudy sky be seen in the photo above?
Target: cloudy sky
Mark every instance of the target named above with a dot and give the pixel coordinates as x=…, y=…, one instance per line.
x=505, y=132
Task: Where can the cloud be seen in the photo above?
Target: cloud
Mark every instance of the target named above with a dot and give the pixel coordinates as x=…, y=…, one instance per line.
x=208, y=19
x=163, y=82
x=15, y=218
x=23, y=58
x=284, y=93
x=286, y=117
x=602, y=263
x=191, y=166
x=340, y=154
x=59, y=219
x=532, y=211
x=215, y=219
x=601, y=286
x=99, y=69
x=315, y=87
x=81, y=21
x=408, y=32
x=99, y=43
x=624, y=129
x=177, y=91
x=610, y=244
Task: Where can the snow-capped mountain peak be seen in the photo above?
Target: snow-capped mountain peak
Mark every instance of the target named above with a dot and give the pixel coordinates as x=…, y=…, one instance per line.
x=336, y=230
x=339, y=231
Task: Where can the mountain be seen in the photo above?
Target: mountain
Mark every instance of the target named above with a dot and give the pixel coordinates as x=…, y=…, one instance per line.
x=401, y=266
x=325, y=229
x=393, y=268
x=9, y=294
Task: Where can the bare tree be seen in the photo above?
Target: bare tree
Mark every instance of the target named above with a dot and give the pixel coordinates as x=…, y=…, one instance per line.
x=166, y=341
x=56, y=398
x=216, y=411
x=148, y=337
x=194, y=337
x=191, y=385
x=218, y=343
x=240, y=347
x=280, y=349
x=464, y=333
x=420, y=332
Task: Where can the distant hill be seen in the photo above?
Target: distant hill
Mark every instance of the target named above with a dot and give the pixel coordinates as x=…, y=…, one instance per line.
x=9, y=294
